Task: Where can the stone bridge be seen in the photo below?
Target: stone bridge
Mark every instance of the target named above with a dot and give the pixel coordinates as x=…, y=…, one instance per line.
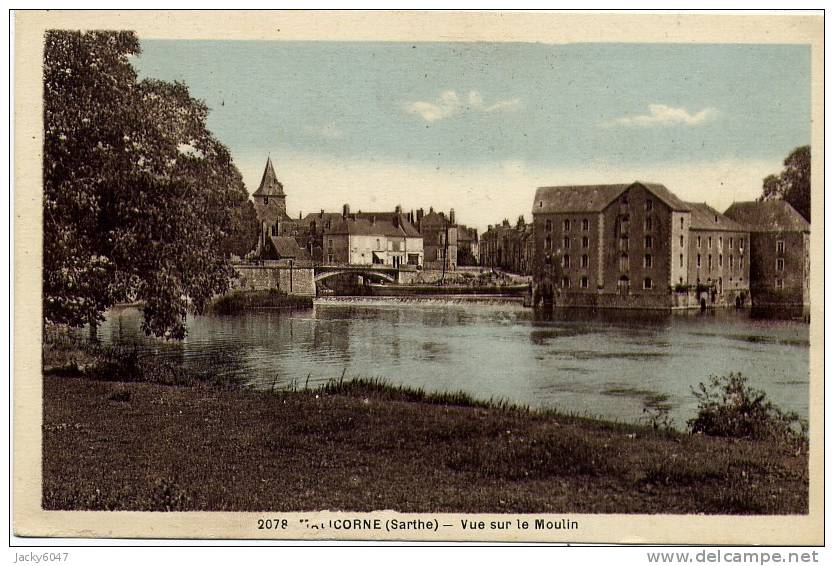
x=302, y=279
x=386, y=273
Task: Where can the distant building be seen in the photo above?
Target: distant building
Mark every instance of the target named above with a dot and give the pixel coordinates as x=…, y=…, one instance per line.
x=510, y=248
x=270, y=206
x=440, y=238
x=719, y=257
x=468, y=246
x=372, y=238
x=780, y=263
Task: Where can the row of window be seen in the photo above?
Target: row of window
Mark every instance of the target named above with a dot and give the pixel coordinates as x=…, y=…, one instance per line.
x=548, y=242
x=583, y=282
x=730, y=241
x=720, y=261
x=566, y=224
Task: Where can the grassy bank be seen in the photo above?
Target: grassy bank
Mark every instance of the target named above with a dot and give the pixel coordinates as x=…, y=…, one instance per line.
x=114, y=443
x=237, y=302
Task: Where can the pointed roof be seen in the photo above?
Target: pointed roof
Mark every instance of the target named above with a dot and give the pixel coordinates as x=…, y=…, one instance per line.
x=768, y=216
x=595, y=198
x=705, y=217
x=270, y=185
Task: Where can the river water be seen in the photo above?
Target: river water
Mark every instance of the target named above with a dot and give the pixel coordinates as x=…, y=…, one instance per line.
x=614, y=366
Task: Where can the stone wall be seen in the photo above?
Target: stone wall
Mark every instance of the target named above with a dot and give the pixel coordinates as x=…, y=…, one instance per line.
x=292, y=281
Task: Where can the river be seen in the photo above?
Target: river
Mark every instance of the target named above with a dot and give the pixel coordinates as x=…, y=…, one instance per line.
x=613, y=366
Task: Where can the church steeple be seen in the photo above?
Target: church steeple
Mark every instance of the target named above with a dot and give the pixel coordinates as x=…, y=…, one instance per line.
x=270, y=185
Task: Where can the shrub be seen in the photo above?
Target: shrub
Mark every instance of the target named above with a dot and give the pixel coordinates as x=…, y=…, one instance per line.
x=728, y=406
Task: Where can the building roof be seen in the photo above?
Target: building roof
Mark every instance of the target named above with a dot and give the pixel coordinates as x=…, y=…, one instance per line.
x=768, y=216
x=374, y=224
x=287, y=247
x=705, y=217
x=595, y=198
x=270, y=185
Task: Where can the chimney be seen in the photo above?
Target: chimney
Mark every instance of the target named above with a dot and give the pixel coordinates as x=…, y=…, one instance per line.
x=345, y=211
x=299, y=215
x=452, y=216
x=398, y=209
x=431, y=209
x=373, y=220
x=419, y=215
x=321, y=214
x=489, y=228
x=397, y=220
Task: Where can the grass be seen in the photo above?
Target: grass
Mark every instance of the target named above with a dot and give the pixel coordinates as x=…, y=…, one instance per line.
x=239, y=301
x=363, y=444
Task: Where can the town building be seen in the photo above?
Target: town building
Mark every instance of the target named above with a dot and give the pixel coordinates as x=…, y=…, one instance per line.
x=509, y=248
x=609, y=245
x=718, y=258
x=372, y=238
x=271, y=208
x=468, y=246
x=440, y=238
x=780, y=263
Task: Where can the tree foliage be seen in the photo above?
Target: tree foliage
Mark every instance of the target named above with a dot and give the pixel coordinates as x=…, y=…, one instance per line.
x=793, y=184
x=139, y=196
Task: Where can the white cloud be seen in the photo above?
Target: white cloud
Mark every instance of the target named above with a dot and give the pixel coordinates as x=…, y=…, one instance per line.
x=328, y=131
x=449, y=104
x=486, y=194
x=663, y=115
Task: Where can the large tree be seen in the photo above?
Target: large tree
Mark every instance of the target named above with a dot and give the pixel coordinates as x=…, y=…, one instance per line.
x=139, y=196
x=793, y=184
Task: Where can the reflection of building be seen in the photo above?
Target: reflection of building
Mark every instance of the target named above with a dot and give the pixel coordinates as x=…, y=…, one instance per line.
x=372, y=238
x=718, y=257
x=440, y=238
x=779, y=252
x=507, y=247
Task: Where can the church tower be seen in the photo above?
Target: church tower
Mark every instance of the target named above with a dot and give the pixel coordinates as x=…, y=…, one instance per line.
x=270, y=204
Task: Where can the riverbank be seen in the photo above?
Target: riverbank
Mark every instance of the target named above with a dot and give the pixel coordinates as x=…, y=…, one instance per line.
x=236, y=302
x=114, y=440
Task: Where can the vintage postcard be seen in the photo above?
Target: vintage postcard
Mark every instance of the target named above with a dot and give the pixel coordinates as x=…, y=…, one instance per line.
x=429, y=276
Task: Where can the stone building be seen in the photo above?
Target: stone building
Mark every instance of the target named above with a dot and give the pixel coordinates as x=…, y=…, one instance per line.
x=468, y=246
x=510, y=248
x=609, y=245
x=440, y=238
x=718, y=259
x=780, y=264
x=372, y=238
x=275, y=241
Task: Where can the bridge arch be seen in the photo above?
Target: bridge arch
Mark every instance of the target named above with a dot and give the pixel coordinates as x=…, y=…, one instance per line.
x=365, y=273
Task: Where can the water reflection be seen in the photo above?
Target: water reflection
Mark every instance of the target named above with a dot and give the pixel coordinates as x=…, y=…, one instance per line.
x=614, y=365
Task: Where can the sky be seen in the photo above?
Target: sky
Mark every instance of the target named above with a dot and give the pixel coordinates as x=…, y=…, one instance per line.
x=478, y=126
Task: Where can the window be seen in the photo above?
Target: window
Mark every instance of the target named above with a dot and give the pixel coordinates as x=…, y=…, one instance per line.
x=681, y=222
x=681, y=240
x=648, y=223
x=709, y=262
x=566, y=282
x=648, y=241
x=649, y=204
x=647, y=283
x=583, y=282
x=266, y=200
x=780, y=246
x=709, y=242
x=624, y=244
x=548, y=259
x=566, y=243
x=699, y=242
x=624, y=262
x=741, y=244
x=680, y=262
x=780, y=284
x=377, y=244
x=720, y=242
x=585, y=260
x=585, y=224
x=731, y=243
x=720, y=260
x=548, y=243
x=330, y=257
x=647, y=260
x=329, y=243
x=698, y=261
x=732, y=262
x=548, y=226
x=566, y=225
x=780, y=264
x=566, y=261
x=741, y=262
x=585, y=241
x=275, y=229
